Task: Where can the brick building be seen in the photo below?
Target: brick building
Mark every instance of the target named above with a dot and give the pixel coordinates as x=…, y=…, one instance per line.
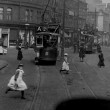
x=18, y=18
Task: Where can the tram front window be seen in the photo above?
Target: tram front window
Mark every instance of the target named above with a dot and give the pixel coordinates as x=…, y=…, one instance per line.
x=39, y=40
x=49, y=41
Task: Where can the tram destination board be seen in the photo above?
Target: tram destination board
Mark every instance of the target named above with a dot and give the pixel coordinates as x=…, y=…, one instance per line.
x=53, y=28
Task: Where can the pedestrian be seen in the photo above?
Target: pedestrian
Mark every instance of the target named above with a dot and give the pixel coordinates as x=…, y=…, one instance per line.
x=98, y=48
x=81, y=53
x=16, y=82
x=65, y=65
x=75, y=48
x=101, y=59
x=20, y=55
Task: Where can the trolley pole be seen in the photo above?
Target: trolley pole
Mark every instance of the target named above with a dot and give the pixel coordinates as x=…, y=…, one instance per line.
x=63, y=30
x=42, y=17
x=96, y=23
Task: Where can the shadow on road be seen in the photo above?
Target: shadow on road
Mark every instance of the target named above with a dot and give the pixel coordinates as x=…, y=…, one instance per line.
x=84, y=104
x=46, y=63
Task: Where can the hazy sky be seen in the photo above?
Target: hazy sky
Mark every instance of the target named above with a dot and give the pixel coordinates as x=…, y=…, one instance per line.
x=106, y=1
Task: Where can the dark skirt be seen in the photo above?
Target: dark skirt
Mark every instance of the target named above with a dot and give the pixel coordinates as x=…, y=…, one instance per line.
x=81, y=55
x=101, y=63
x=20, y=56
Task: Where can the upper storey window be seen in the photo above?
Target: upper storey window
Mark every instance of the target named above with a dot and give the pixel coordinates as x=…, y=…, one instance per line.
x=26, y=14
x=1, y=13
x=31, y=15
x=9, y=14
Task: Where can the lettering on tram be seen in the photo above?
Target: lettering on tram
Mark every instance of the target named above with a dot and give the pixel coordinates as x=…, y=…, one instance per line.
x=46, y=45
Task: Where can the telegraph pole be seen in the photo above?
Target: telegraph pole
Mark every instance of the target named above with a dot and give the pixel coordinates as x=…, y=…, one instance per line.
x=96, y=23
x=78, y=35
x=63, y=30
x=95, y=18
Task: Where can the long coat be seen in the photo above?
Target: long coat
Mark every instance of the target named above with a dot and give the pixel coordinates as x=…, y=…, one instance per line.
x=98, y=48
x=20, y=55
x=101, y=60
x=81, y=52
x=19, y=81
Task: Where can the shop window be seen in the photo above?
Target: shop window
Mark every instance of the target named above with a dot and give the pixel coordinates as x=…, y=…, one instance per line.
x=1, y=13
x=9, y=14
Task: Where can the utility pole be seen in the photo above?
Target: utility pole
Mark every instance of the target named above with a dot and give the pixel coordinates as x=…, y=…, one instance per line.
x=78, y=33
x=96, y=23
x=63, y=30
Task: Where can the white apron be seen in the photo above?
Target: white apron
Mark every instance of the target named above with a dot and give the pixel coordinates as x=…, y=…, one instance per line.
x=65, y=66
x=19, y=82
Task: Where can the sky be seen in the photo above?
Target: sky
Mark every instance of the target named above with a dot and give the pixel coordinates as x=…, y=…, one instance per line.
x=106, y=1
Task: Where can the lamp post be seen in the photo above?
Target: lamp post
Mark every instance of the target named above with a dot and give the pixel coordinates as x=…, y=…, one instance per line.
x=63, y=30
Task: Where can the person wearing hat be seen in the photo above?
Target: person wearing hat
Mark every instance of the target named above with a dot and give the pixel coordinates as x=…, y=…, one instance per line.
x=16, y=82
x=98, y=48
x=81, y=53
x=101, y=59
x=20, y=55
x=65, y=65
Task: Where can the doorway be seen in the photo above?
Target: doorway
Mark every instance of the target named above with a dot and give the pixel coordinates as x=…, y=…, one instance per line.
x=5, y=40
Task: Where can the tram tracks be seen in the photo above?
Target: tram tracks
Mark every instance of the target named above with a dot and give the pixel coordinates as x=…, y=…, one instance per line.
x=36, y=92
x=80, y=75
x=65, y=84
x=89, y=88
x=62, y=77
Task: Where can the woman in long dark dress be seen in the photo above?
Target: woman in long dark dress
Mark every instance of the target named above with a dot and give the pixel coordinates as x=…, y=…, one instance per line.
x=101, y=59
x=20, y=55
x=81, y=53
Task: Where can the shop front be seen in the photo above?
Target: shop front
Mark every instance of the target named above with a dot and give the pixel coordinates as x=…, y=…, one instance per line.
x=4, y=36
x=26, y=37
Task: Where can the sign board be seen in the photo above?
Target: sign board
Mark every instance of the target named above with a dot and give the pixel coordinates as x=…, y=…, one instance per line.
x=41, y=29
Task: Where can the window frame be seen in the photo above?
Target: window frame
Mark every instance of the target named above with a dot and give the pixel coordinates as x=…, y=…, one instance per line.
x=9, y=14
x=1, y=13
x=26, y=14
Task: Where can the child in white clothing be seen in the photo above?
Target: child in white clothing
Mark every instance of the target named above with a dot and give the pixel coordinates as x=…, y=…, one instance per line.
x=65, y=65
x=16, y=82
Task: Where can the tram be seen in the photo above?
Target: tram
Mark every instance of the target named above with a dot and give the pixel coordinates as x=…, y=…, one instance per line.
x=46, y=47
x=89, y=43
